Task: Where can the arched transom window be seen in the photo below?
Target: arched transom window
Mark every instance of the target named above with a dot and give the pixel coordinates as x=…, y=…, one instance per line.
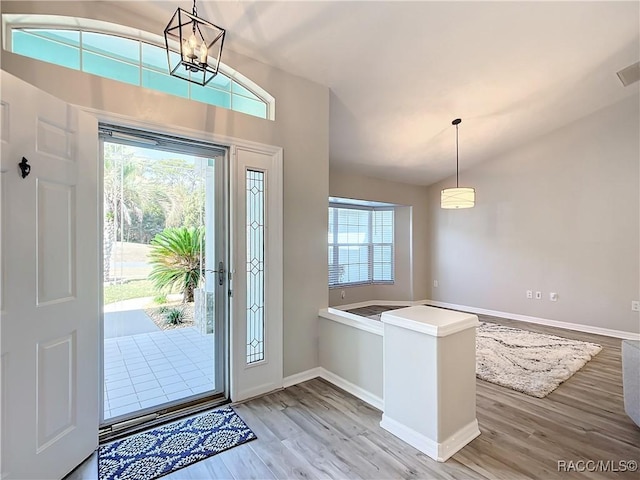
x=129, y=56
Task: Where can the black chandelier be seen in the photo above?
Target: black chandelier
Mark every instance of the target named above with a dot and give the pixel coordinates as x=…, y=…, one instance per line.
x=200, y=44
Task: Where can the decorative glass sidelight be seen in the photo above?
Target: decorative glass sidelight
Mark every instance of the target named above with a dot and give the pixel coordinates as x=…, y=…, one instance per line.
x=255, y=265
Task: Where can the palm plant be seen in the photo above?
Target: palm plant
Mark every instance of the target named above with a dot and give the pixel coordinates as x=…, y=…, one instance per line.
x=177, y=260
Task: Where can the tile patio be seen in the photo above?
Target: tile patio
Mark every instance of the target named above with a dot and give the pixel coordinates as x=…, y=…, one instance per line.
x=149, y=369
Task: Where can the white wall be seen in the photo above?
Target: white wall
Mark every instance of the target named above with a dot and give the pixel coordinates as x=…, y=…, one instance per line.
x=353, y=355
x=301, y=128
x=560, y=214
x=411, y=227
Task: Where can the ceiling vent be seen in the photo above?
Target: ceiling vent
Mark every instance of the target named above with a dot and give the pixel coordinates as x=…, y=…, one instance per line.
x=630, y=75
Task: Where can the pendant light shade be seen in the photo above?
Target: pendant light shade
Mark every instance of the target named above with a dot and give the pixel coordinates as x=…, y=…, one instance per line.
x=458, y=197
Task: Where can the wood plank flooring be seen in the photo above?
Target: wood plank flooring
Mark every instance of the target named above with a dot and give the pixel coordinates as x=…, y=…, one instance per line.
x=316, y=431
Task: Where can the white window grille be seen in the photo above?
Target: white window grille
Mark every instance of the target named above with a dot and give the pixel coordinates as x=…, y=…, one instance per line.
x=360, y=245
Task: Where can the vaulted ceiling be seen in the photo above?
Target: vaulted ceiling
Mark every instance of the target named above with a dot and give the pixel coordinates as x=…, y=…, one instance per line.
x=400, y=72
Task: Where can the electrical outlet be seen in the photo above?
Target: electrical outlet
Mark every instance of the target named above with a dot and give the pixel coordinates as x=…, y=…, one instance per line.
x=553, y=296
x=538, y=295
x=635, y=306
x=529, y=293
x=435, y=283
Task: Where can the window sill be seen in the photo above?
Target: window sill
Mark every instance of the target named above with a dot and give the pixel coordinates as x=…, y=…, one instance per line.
x=367, y=284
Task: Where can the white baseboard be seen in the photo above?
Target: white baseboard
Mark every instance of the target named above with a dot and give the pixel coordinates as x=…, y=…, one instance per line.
x=338, y=381
x=439, y=451
x=353, y=389
x=607, y=332
x=296, y=378
x=244, y=395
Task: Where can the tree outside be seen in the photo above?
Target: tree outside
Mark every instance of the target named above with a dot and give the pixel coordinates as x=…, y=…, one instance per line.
x=151, y=196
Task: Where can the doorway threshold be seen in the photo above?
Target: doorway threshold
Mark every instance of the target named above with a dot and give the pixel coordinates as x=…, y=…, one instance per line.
x=144, y=421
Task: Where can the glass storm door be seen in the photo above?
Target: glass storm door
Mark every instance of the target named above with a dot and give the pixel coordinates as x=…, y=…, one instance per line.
x=164, y=275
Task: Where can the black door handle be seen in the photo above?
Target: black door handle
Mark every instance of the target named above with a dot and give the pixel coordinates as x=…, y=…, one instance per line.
x=25, y=168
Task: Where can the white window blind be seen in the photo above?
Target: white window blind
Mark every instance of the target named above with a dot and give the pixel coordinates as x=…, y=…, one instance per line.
x=360, y=245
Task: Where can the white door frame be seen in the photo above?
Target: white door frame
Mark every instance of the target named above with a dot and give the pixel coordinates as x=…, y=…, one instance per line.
x=250, y=380
x=244, y=382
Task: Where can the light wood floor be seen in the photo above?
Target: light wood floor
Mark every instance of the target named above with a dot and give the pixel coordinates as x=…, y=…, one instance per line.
x=315, y=430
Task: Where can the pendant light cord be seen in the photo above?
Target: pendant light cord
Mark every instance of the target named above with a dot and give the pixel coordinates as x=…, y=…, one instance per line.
x=457, y=185
x=457, y=122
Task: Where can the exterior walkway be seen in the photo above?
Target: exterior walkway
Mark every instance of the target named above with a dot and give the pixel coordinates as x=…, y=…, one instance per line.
x=127, y=322
x=148, y=369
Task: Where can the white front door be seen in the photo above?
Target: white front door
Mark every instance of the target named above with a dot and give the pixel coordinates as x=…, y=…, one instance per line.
x=257, y=320
x=49, y=284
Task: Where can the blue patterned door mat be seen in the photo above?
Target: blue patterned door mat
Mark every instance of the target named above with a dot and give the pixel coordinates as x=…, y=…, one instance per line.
x=157, y=452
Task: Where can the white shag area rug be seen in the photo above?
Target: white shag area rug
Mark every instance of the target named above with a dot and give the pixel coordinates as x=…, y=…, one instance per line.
x=531, y=363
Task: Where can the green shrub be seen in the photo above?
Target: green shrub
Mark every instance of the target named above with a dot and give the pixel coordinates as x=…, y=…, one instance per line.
x=174, y=316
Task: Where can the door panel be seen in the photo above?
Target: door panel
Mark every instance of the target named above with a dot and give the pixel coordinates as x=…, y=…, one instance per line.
x=257, y=279
x=56, y=389
x=50, y=315
x=55, y=240
x=54, y=140
x=4, y=122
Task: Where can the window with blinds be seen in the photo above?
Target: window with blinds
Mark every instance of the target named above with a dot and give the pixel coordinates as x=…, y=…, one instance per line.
x=360, y=245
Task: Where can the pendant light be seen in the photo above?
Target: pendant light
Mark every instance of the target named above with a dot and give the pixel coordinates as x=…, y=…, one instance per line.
x=200, y=43
x=459, y=197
